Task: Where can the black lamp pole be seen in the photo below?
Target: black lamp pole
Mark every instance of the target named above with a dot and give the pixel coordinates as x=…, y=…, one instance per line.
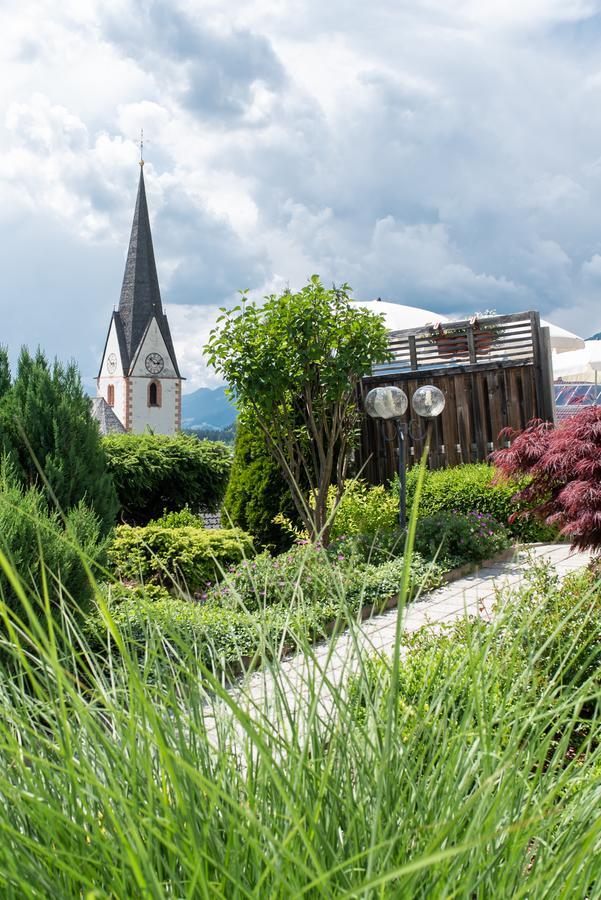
x=402, y=434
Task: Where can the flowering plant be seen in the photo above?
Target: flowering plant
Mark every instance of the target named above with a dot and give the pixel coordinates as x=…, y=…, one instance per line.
x=459, y=538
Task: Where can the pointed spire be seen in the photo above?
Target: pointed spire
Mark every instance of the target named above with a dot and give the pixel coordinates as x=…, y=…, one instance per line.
x=140, y=300
x=140, y=293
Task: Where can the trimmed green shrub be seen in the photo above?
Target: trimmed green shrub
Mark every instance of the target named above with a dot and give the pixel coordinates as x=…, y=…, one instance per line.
x=46, y=417
x=458, y=538
x=37, y=541
x=469, y=487
x=189, y=557
x=221, y=636
x=256, y=492
x=155, y=472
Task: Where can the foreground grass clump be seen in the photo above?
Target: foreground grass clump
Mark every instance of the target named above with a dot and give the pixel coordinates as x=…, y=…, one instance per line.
x=470, y=767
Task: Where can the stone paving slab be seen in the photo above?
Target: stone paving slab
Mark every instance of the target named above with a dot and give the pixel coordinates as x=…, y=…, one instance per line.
x=333, y=661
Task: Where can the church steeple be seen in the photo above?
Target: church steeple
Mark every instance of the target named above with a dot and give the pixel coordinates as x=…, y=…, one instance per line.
x=140, y=292
x=139, y=377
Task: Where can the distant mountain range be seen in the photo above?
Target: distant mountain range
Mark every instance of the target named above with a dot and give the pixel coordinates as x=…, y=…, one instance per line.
x=207, y=406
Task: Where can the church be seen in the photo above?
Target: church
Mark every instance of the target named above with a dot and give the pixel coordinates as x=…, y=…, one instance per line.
x=139, y=386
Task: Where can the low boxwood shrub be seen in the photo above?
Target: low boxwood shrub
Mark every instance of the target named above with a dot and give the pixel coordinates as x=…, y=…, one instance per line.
x=260, y=603
x=154, y=472
x=189, y=557
x=470, y=487
x=219, y=636
x=455, y=539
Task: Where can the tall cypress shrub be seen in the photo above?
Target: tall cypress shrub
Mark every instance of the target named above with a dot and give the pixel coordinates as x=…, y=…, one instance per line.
x=45, y=416
x=256, y=491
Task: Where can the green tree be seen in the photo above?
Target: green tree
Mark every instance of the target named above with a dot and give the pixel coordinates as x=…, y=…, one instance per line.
x=46, y=421
x=294, y=364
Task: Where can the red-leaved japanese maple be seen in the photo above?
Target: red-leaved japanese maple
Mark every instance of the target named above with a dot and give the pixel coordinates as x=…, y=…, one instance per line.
x=564, y=464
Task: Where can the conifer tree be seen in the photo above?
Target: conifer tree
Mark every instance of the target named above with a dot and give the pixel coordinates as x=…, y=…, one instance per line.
x=46, y=421
x=4, y=371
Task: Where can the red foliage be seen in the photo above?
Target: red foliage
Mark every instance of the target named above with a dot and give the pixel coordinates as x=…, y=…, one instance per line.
x=565, y=467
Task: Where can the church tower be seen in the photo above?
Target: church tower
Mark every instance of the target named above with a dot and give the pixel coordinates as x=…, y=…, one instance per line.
x=139, y=377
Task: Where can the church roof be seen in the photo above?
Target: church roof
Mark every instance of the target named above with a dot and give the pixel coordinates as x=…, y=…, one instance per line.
x=140, y=293
x=108, y=421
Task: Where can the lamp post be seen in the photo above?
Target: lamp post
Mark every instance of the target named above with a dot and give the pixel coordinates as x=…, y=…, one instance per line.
x=391, y=403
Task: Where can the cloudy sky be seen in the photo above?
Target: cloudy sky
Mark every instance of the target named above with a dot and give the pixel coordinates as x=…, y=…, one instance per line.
x=442, y=153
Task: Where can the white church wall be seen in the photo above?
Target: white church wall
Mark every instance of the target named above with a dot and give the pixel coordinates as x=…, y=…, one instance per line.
x=153, y=343
x=162, y=419
x=115, y=378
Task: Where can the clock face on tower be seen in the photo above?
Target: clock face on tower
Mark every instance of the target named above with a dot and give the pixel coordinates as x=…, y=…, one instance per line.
x=111, y=363
x=155, y=363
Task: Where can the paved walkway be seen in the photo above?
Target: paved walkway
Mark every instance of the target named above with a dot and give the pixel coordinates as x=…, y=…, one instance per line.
x=333, y=661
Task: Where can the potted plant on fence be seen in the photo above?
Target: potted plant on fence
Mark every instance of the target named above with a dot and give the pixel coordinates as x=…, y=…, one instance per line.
x=451, y=342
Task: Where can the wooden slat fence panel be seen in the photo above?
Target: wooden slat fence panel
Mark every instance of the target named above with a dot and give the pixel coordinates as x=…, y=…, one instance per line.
x=506, y=387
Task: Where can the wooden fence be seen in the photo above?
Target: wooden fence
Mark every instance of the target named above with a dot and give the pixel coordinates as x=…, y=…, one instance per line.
x=494, y=374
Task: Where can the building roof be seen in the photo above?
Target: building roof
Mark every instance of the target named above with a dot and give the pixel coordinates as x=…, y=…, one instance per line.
x=108, y=421
x=140, y=299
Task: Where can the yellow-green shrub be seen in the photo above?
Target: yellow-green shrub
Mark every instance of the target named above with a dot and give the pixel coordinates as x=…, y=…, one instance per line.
x=185, y=556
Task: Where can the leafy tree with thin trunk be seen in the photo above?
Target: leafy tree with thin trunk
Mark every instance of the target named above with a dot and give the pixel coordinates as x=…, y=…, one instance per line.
x=294, y=364
x=564, y=465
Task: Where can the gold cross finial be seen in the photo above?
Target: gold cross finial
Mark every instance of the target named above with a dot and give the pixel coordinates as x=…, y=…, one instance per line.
x=141, y=147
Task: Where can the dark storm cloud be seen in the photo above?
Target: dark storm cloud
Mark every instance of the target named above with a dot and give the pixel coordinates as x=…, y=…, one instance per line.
x=219, y=69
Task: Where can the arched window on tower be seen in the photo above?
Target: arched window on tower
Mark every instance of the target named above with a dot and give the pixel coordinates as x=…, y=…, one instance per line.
x=154, y=393
x=110, y=395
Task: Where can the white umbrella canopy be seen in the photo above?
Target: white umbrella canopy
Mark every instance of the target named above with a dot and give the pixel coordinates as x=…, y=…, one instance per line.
x=578, y=365
x=398, y=317
x=562, y=340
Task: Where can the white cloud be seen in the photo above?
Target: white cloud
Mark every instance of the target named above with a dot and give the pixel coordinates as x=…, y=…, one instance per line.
x=444, y=153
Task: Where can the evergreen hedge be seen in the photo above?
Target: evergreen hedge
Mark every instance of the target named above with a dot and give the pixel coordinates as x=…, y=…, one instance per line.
x=470, y=487
x=155, y=472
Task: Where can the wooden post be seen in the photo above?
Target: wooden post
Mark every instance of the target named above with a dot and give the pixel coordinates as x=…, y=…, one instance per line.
x=412, y=352
x=546, y=370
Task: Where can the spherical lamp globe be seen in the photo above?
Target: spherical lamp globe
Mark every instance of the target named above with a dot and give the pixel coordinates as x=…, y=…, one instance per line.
x=428, y=401
x=386, y=403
